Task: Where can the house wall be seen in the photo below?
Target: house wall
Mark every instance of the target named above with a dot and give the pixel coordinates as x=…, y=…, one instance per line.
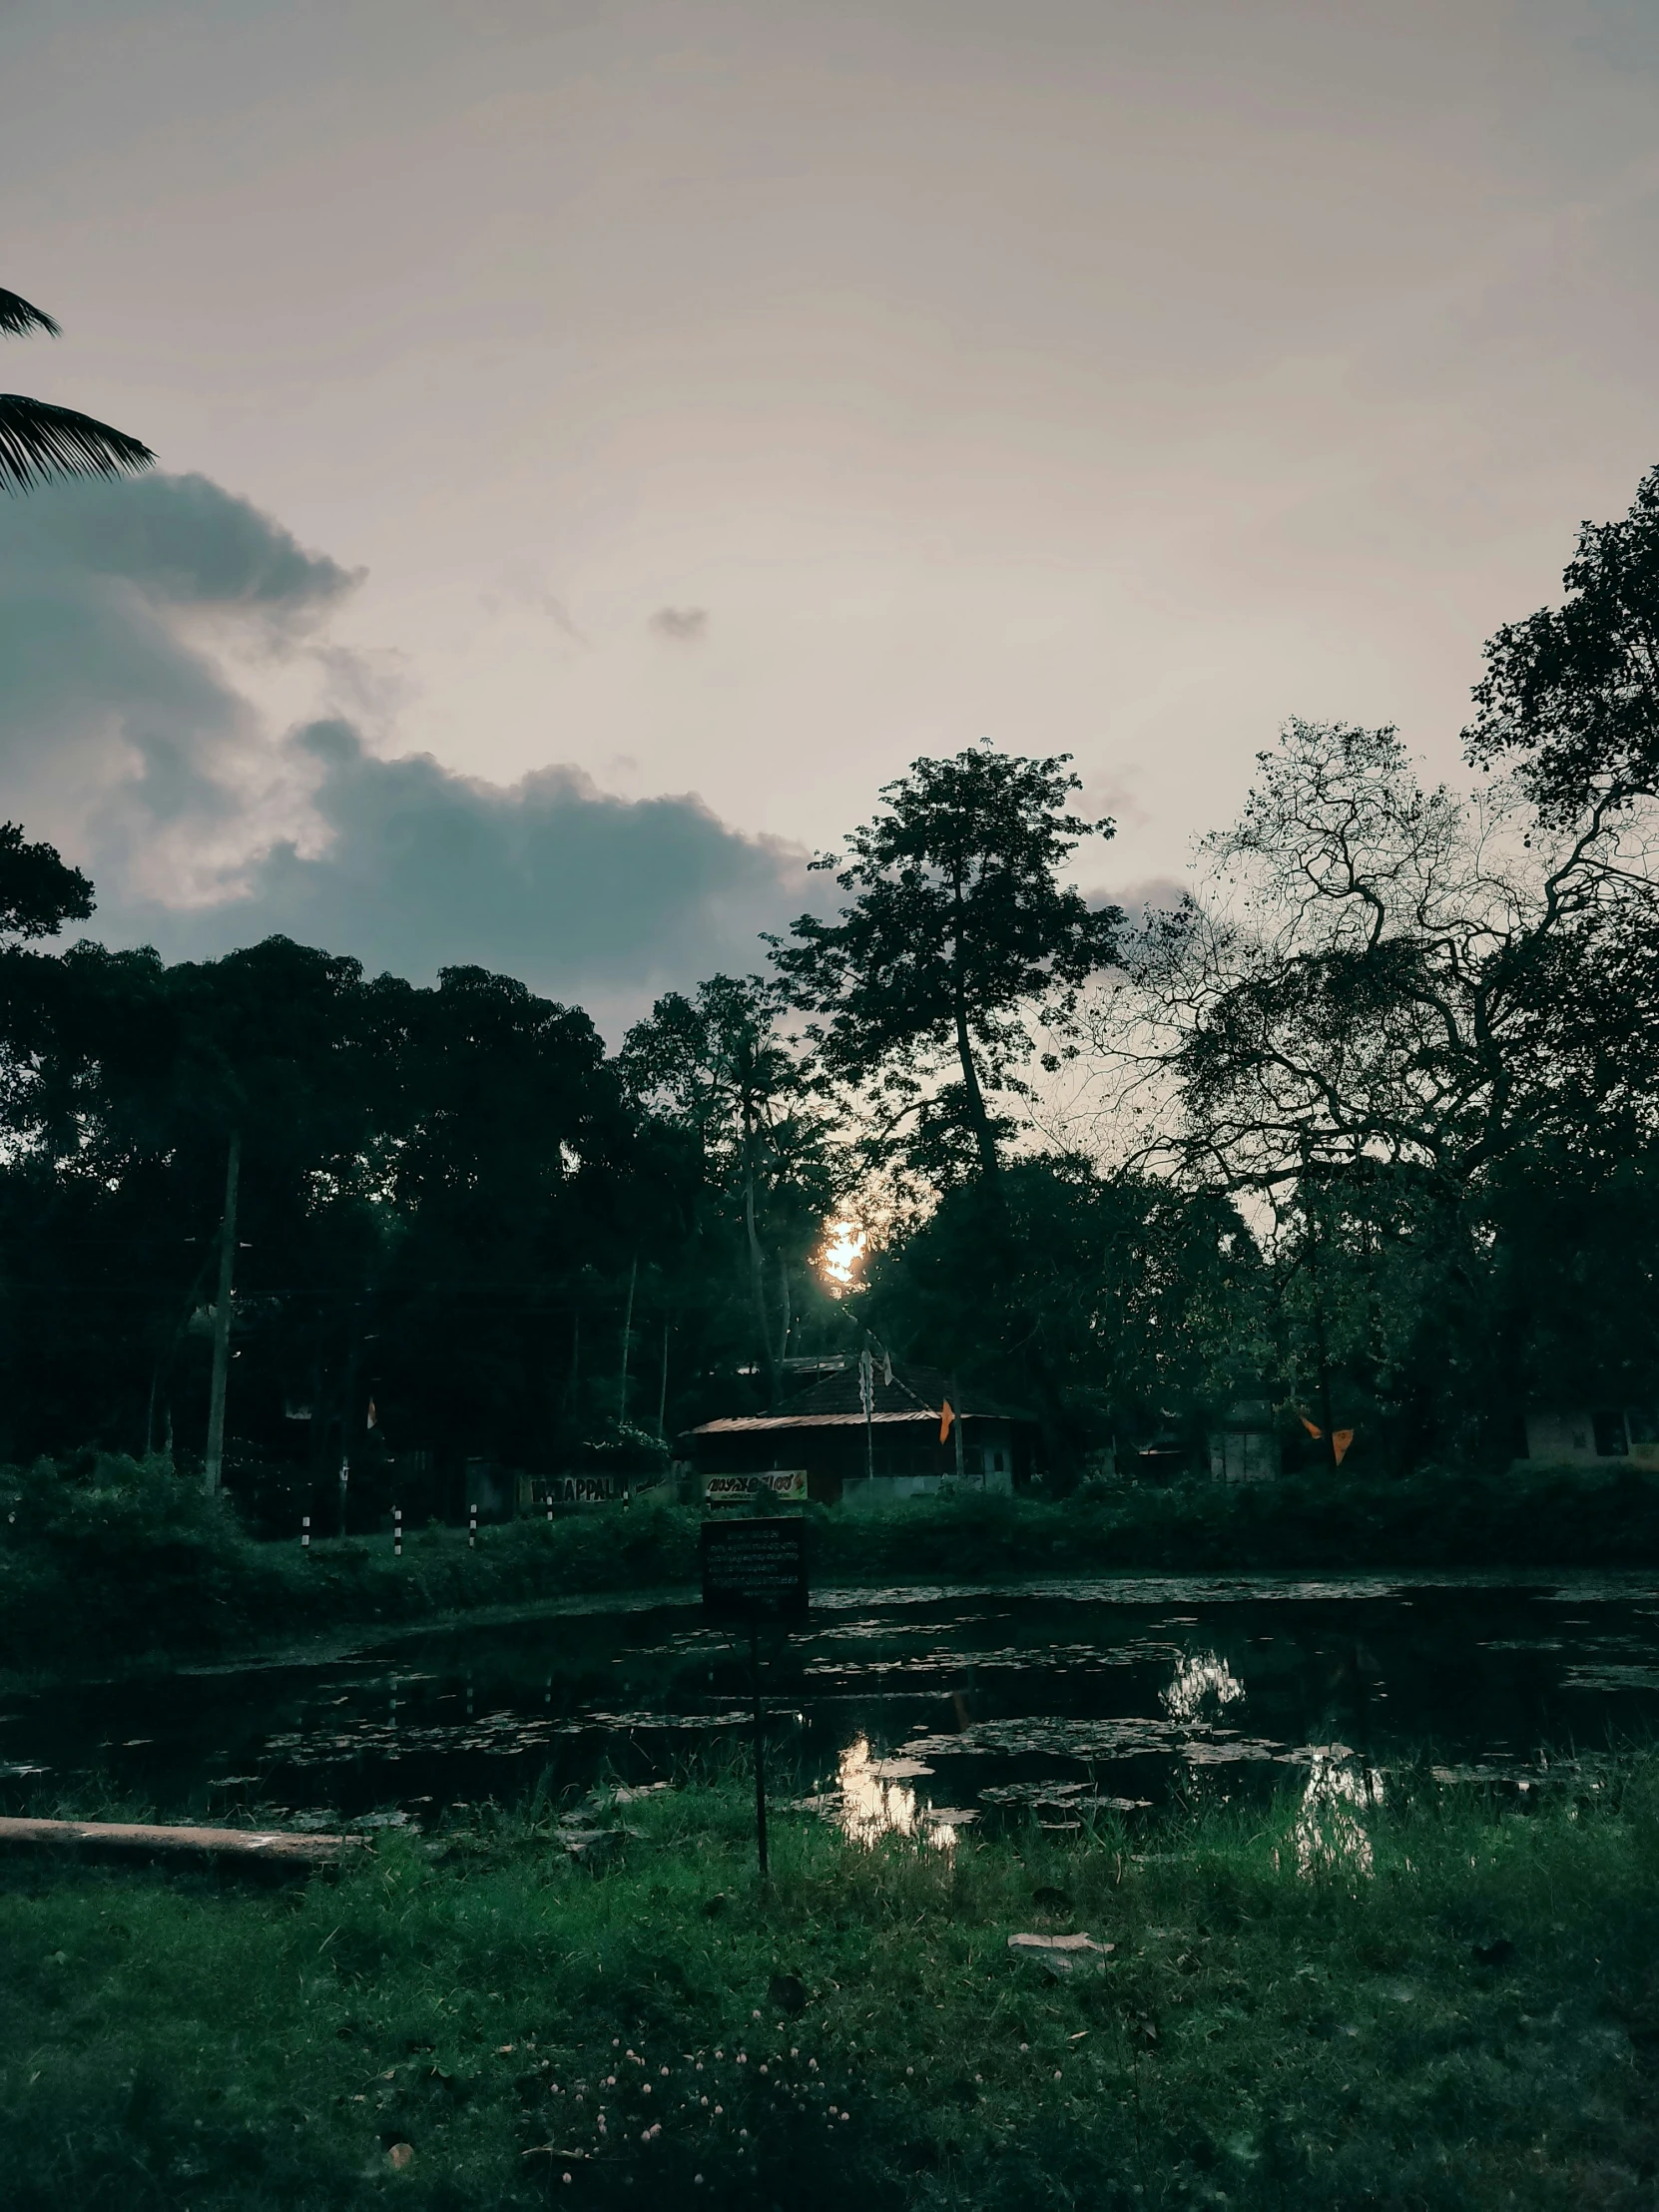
x=1245, y=1455
x=906, y=1457
x=1592, y=1436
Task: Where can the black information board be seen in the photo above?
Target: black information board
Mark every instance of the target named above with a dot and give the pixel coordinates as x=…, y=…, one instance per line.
x=755, y=1571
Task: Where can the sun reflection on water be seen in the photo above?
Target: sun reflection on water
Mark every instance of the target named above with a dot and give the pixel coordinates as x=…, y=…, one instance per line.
x=876, y=1800
x=1204, y=1685
x=1330, y=1837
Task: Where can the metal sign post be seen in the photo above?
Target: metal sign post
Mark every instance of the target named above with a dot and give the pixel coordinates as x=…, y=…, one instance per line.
x=755, y=1577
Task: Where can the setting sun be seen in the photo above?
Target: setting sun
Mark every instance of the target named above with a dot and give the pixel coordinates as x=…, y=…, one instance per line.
x=844, y=1249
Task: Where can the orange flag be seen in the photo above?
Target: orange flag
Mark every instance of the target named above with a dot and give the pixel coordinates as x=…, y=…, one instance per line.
x=1341, y=1438
x=946, y=1416
x=1312, y=1428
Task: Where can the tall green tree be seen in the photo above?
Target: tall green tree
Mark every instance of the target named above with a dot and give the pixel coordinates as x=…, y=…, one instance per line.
x=1570, y=697
x=958, y=939
x=40, y=442
x=716, y=1065
x=1144, y=1302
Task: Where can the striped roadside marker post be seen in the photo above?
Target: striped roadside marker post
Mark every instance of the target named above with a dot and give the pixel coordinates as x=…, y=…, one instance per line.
x=471, y=1528
x=306, y=1532
x=397, y=1531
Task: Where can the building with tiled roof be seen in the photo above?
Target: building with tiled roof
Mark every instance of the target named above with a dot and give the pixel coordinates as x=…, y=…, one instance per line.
x=901, y=1448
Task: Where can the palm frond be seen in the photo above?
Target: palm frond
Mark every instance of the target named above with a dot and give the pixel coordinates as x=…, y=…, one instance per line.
x=39, y=442
x=18, y=318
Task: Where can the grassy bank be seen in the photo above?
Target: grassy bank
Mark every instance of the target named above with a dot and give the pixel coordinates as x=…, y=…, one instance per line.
x=1474, y=2021
x=130, y=1560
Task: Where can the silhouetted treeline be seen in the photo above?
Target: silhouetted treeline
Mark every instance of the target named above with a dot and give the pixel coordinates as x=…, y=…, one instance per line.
x=458, y=1233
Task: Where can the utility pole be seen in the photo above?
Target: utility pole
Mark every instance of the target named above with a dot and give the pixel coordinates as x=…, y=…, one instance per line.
x=222, y=1320
x=866, y=1399
x=627, y=1340
x=1320, y=1343
x=347, y=1404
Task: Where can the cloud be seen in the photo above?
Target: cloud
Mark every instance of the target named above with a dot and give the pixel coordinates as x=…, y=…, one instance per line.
x=1156, y=893
x=145, y=630
x=122, y=734
x=584, y=895
x=685, y=625
x=176, y=541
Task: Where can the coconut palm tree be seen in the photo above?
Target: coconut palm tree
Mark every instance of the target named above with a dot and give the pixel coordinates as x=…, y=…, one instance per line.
x=39, y=442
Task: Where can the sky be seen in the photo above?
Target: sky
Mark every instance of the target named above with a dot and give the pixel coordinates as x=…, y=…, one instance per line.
x=602, y=443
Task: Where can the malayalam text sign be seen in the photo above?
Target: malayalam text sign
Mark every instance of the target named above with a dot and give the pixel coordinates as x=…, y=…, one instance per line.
x=755, y=1571
x=789, y=1484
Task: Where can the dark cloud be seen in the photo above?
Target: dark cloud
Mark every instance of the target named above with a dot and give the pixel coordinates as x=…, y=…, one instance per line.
x=685, y=625
x=174, y=540
x=126, y=736
x=582, y=893
x=120, y=736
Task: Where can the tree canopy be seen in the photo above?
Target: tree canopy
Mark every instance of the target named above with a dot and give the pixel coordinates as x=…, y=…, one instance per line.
x=958, y=942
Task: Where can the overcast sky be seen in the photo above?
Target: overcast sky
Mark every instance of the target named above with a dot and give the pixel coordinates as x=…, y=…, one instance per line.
x=607, y=441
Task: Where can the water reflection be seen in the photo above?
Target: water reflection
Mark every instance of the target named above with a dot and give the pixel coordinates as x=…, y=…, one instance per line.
x=1329, y=1836
x=1204, y=1686
x=876, y=1800
x=1068, y=1698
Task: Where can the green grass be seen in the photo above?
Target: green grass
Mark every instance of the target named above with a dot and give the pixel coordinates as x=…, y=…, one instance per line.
x=1259, y=2036
x=131, y=1560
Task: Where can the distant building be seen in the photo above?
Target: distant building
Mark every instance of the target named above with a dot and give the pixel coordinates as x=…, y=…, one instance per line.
x=1586, y=1435
x=1244, y=1445
x=898, y=1453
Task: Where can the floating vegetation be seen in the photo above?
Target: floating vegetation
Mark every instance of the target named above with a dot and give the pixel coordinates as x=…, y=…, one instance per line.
x=1611, y=1679
x=1126, y=1688
x=501, y=1735
x=1073, y=1797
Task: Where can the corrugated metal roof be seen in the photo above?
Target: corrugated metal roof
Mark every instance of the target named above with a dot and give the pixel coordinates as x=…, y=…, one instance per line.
x=915, y=1394
x=912, y=1391
x=930, y=1413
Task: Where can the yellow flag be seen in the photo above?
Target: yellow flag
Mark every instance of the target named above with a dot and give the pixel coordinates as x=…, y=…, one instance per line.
x=1341, y=1438
x=946, y=1416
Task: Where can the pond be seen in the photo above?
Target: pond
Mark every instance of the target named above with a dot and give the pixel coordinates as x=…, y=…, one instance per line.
x=915, y=1708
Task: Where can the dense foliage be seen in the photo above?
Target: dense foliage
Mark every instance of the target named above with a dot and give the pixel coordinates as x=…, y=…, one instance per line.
x=458, y=1233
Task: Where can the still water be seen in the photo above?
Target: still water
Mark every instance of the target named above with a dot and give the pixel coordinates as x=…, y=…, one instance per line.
x=916, y=1709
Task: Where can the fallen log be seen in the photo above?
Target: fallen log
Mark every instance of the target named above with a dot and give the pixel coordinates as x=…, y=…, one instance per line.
x=143, y=1840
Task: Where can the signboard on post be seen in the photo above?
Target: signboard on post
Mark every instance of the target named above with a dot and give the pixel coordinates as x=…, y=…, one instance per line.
x=755, y=1572
x=755, y=1577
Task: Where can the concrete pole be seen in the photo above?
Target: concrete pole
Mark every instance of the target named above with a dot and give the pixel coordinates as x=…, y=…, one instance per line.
x=222, y=1320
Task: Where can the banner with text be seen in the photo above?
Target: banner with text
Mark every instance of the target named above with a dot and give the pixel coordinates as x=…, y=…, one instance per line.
x=783, y=1483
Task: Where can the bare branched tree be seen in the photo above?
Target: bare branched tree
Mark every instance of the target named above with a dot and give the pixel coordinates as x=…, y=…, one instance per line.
x=1376, y=973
